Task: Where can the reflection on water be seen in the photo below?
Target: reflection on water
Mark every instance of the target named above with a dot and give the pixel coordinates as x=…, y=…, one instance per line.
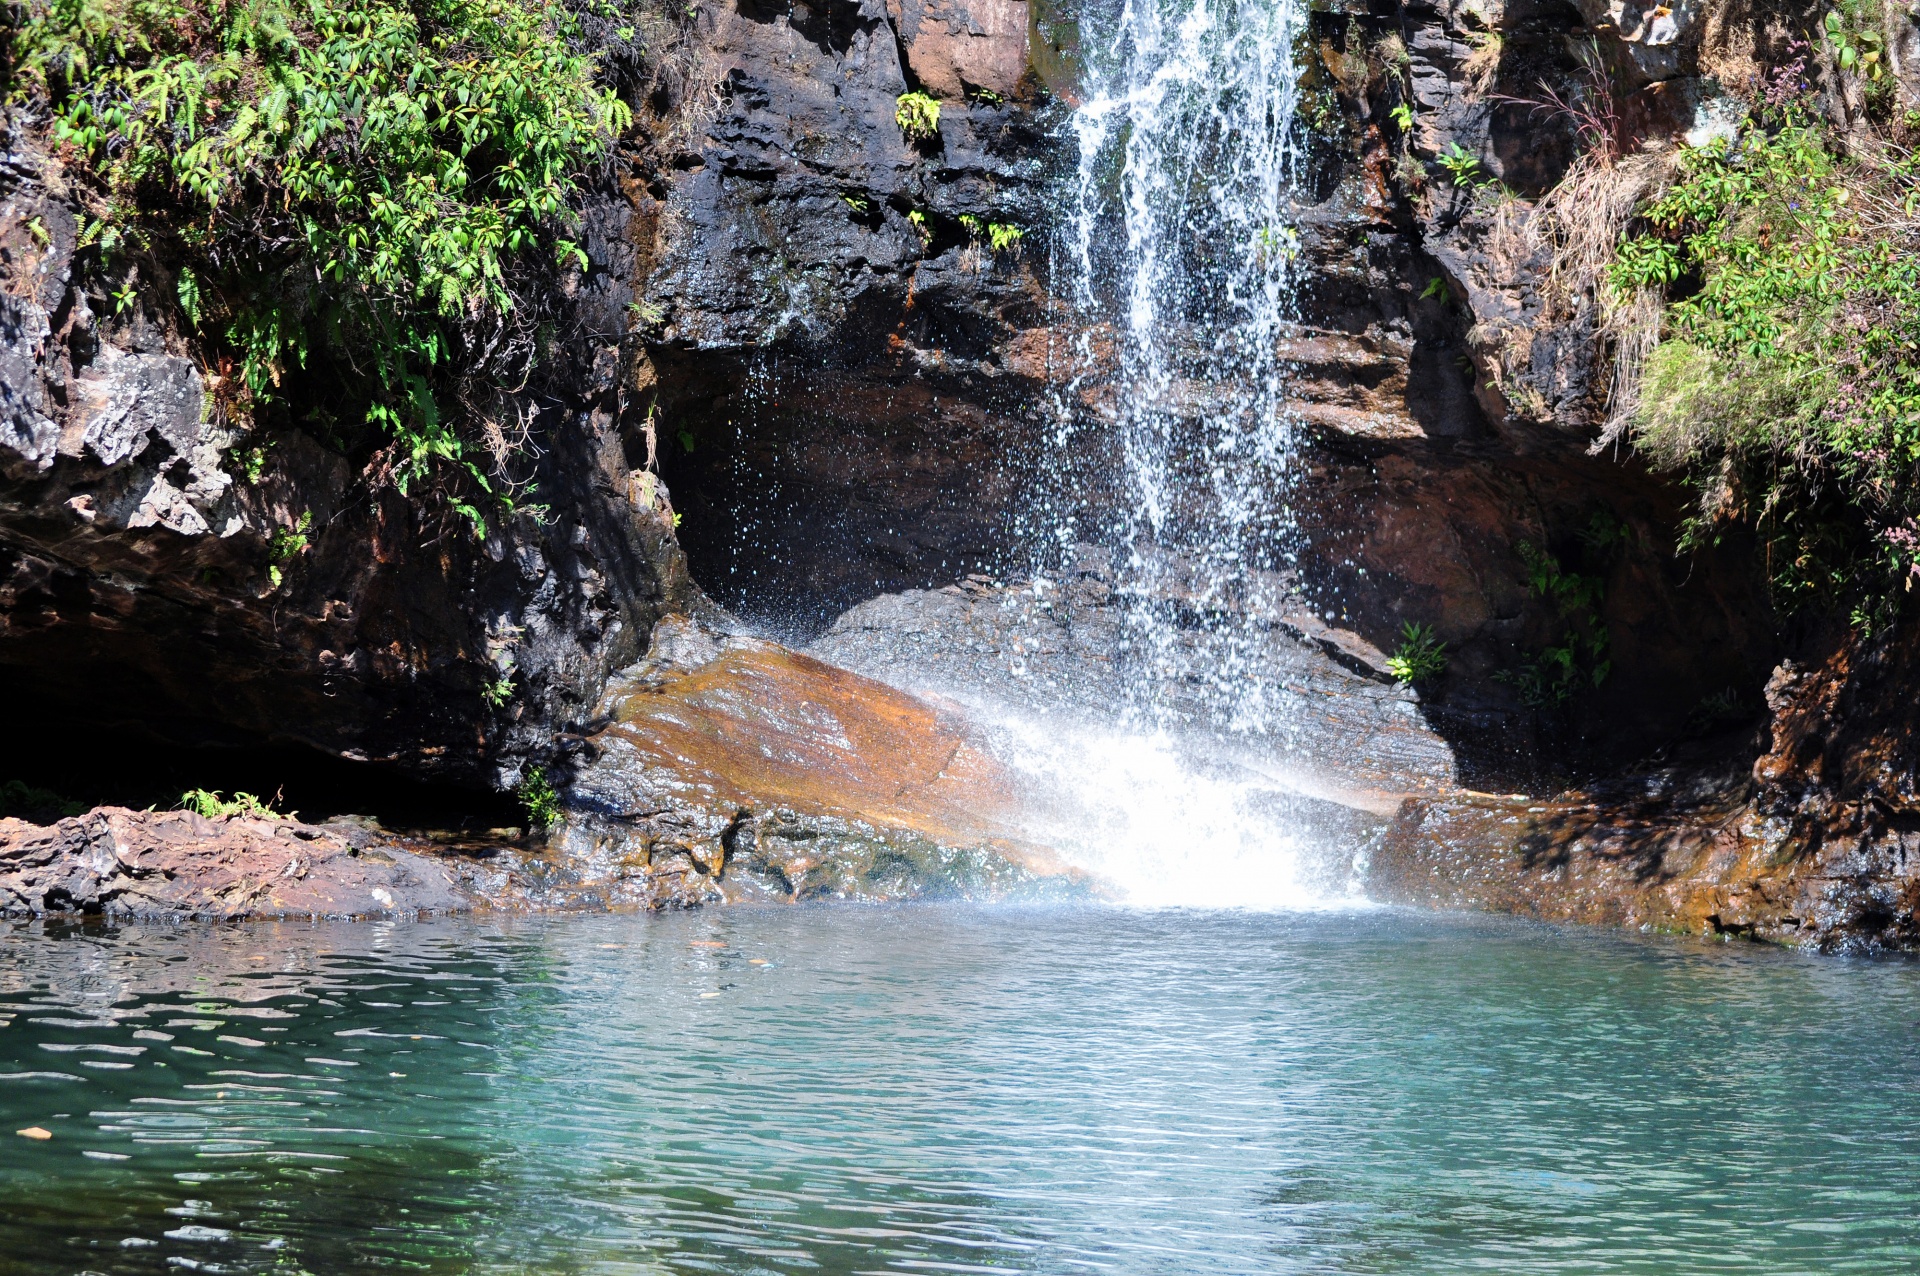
x=949, y=1089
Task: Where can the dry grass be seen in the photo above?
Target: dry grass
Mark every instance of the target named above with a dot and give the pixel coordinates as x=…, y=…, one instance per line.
x=1585, y=216
x=1481, y=67
x=1632, y=329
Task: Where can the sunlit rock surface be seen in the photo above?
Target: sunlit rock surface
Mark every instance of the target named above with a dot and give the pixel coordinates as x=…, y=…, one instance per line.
x=737, y=769
x=114, y=862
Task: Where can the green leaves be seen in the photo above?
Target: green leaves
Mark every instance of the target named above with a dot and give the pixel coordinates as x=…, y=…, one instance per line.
x=1420, y=657
x=1462, y=165
x=1788, y=381
x=1862, y=52
x=397, y=153
x=918, y=117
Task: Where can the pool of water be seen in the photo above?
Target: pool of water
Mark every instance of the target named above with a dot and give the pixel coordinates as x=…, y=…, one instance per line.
x=951, y=1090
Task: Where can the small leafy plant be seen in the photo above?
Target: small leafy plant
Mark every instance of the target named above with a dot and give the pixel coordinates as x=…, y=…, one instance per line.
x=999, y=236
x=539, y=798
x=497, y=692
x=918, y=116
x=287, y=542
x=1577, y=658
x=1462, y=165
x=1862, y=51
x=214, y=805
x=1420, y=657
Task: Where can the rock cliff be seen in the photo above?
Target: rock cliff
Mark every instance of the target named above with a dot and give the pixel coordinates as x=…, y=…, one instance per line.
x=823, y=346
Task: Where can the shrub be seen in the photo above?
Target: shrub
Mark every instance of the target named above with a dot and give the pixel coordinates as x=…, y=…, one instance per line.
x=348, y=181
x=1789, y=382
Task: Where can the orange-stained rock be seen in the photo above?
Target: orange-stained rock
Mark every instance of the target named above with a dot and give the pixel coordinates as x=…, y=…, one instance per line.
x=734, y=768
x=1705, y=864
x=765, y=726
x=954, y=46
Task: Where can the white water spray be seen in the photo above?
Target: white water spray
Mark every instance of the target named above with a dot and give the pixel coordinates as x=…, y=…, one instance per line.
x=1181, y=237
x=1180, y=249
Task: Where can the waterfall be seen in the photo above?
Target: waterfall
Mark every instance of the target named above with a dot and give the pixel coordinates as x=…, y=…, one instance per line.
x=1179, y=243
x=1176, y=265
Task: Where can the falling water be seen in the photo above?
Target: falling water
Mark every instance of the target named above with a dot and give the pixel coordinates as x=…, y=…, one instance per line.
x=1180, y=243
x=1176, y=264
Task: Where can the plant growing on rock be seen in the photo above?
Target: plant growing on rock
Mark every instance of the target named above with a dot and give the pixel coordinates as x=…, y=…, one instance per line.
x=1786, y=382
x=1420, y=657
x=918, y=116
x=363, y=193
x=999, y=236
x=214, y=805
x=1577, y=657
x=539, y=798
x=286, y=543
x=1462, y=165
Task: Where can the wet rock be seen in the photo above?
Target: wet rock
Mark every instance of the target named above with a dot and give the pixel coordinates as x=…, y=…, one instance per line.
x=1707, y=865
x=1307, y=699
x=735, y=769
x=117, y=863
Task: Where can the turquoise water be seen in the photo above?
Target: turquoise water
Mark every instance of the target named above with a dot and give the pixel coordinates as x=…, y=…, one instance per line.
x=951, y=1090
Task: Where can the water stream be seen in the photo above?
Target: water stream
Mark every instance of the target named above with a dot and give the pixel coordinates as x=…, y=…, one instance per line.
x=1175, y=267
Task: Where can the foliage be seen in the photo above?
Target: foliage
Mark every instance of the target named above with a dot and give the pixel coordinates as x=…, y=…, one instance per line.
x=214, y=805
x=1462, y=165
x=287, y=542
x=352, y=183
x=999, y=236
x=922, y=227
x=1577, y=657
x=1858, y=49
x=918, y=116
x=498, y=692
x=1420, y=657
x=540, y=799
x=20, y=800
x=1788, y=384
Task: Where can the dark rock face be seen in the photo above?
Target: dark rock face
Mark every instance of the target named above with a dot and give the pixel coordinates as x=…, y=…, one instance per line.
x=839, y=411
x=139, y=577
